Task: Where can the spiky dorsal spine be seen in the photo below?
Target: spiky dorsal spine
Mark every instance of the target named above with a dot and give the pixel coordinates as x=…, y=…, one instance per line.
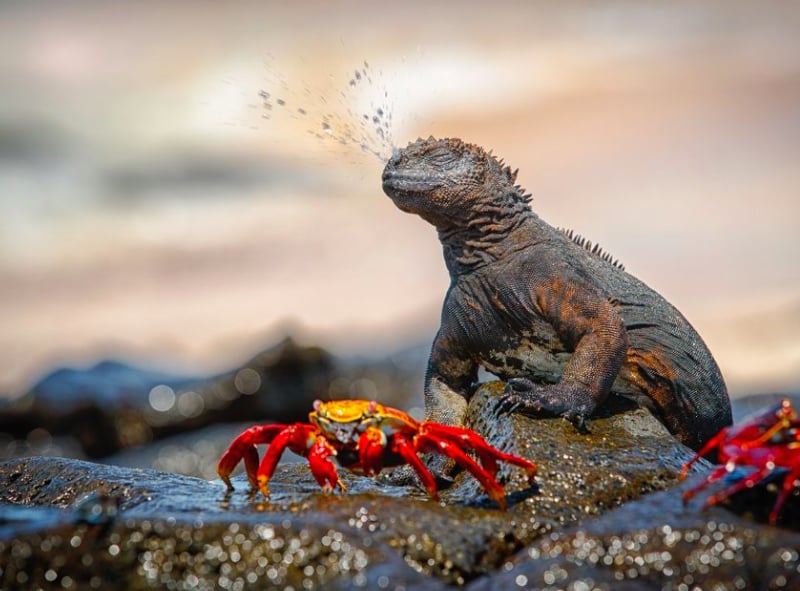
x=593, y=248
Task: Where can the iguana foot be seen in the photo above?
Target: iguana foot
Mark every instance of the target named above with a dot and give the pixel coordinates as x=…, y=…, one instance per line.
x=570, y=401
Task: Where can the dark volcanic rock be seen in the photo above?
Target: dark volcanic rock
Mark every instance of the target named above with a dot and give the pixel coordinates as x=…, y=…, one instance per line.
x=144, y=529
x=101, y=407
x=72, y=524
x=653, y=544
x=627, y=453
x=112, y=406
x=107, y=383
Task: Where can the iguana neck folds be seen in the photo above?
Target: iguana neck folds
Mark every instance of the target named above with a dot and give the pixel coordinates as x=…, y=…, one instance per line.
x=488, y=232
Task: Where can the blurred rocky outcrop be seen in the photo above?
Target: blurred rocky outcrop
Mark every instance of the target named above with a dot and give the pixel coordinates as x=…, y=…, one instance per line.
x=101, y=410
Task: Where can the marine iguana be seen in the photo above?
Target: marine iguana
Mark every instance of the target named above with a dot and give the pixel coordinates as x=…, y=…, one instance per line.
x=559, y=320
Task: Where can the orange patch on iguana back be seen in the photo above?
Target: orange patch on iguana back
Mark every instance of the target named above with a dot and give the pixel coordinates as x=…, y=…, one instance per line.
x=473, y=304
x=654, y=374
x=655, y=359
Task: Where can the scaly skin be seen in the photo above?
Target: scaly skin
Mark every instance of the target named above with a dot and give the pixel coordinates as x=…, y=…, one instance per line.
x=563, y=324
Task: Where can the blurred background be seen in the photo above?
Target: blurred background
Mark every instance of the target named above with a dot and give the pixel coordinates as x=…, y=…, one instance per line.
x=184, y=185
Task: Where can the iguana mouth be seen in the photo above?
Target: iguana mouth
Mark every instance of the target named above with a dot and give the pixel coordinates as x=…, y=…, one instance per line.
x=396, y=182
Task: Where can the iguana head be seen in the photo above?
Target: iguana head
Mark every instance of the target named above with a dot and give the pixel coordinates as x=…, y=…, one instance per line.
x=445, y=180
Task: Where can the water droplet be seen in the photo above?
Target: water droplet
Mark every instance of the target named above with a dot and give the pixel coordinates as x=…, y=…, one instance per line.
x=371, y=131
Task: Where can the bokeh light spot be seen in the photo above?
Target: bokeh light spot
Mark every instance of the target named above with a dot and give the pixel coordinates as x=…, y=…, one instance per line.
x=190, y=404
x=161, y=398
x=247, y=381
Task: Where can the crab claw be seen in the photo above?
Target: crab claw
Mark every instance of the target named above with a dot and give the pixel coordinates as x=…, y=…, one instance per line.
x=322, y=467
x=371, y=447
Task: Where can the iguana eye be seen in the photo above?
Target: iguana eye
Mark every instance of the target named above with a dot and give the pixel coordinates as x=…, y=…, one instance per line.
x=439, y=157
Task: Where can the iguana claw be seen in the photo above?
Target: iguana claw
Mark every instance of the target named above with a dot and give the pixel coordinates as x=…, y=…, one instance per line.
x=569, y=401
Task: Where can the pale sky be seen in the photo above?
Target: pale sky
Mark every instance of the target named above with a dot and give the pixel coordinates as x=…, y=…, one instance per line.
x=149, y=211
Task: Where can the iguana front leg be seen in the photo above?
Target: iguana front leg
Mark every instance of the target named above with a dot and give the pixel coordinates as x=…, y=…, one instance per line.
x=587, y=323
x=448, y=381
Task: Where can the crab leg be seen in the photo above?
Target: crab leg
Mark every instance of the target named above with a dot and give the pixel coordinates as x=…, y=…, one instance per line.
x=746, y=482
x=401, y=445
x=488, y=455
x=300, y=438
x=789, y=482
x=767, y=435
x=710, y=444
x=429, y=442
x=244, y=447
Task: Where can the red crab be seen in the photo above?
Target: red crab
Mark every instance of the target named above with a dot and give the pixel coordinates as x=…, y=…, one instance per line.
x=365, y=436
x=767, y=441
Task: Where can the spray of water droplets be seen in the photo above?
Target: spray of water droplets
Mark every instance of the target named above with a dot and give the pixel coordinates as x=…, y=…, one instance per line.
x=336, y=117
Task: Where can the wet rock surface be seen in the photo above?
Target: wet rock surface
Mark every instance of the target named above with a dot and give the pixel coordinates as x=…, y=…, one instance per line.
x=588, y=521
x=657, y=543
x=626, y=454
